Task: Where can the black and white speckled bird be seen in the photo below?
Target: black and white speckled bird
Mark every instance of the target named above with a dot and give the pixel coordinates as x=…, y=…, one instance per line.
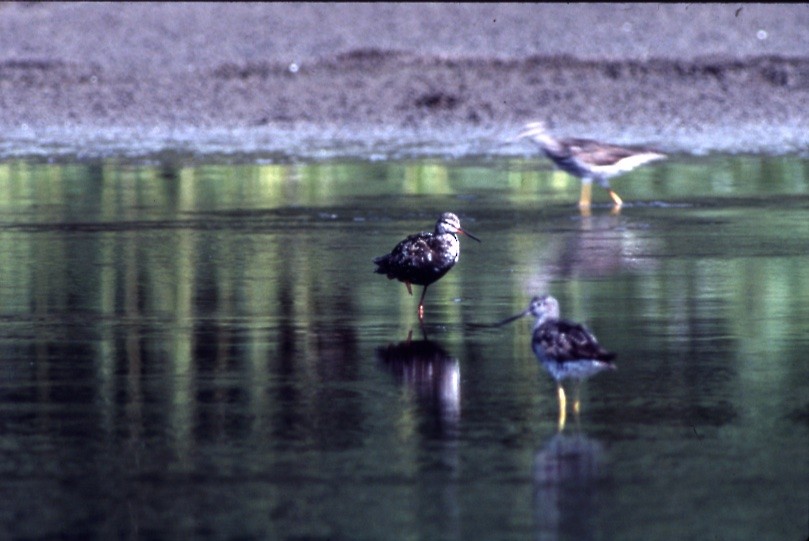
x=566, y=349
x=589, y=160
x=425, y=257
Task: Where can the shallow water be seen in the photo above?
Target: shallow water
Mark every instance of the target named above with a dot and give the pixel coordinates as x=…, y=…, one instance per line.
x=194, y=349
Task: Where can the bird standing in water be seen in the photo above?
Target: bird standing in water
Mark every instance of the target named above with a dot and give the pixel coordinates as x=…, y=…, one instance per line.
x=566, y=349
x=589, y=160
x=425, y=257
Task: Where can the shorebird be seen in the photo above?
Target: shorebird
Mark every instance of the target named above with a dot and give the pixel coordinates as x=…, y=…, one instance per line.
x=425, y=257
x=567, y=350
x=589, y=160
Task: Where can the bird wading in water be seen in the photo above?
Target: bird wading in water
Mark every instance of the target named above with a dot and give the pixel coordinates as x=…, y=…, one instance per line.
x=425, y=257
x=567, y=350
x=589, y=160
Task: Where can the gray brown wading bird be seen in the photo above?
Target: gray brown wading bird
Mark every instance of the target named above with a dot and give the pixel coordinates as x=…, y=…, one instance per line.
x=567, y=350
x=425, y=257
x=589, y=160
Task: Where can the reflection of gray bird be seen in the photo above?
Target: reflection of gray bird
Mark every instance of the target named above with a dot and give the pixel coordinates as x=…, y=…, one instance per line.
x=424, y=258
x=603, y=245
x=569, y=477
x=567, y=350
x=589, y=160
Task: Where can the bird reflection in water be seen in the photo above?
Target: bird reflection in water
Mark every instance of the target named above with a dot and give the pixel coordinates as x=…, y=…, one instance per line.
x=593, y=247
x=604, y=246
x=433, y=374
x=568, y=476
x=432, y=378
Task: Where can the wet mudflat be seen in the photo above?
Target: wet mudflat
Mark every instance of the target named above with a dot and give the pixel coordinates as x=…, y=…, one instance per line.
x=192, y=349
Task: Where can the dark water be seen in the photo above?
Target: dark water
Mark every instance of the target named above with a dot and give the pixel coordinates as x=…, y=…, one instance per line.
x=195, y=350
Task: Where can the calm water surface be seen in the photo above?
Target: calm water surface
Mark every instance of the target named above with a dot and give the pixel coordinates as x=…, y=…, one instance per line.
x=201, y=350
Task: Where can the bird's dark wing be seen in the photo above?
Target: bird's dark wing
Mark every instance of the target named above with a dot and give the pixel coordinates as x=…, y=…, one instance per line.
x=406, y=258
x=413, y=250
x=595, y=153
x=566, y=341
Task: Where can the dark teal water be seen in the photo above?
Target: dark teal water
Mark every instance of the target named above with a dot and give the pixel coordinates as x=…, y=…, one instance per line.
x=201, y=350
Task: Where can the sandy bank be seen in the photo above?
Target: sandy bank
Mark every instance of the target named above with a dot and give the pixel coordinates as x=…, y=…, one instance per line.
x=317, y=80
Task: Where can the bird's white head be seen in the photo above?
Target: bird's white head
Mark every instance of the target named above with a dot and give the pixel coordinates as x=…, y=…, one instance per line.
x=533, y=129
x=538, y=132
x=450, y=223
x=544, y=308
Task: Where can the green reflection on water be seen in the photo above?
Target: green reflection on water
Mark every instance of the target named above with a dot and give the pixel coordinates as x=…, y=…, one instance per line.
x=229, y=316
x=273, y=242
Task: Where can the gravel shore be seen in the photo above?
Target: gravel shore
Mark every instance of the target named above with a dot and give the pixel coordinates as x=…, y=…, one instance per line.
x=319, y=80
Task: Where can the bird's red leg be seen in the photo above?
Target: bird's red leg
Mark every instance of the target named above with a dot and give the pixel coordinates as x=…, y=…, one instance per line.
x=409, y=289
x=421, y=304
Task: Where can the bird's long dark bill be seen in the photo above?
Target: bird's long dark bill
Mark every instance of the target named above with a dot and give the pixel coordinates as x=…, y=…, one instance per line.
x=468, y=234
x=512, y=318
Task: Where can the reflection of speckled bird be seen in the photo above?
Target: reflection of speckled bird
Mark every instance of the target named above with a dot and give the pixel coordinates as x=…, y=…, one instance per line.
x=431, y=372
x=425, y=257
x=589, y=160
x=567, y=350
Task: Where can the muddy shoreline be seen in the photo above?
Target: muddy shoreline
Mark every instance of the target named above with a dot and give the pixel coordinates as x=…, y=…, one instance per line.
x=352, y=93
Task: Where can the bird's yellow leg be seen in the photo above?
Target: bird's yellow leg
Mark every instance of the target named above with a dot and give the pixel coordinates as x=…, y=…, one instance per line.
x=577, y=403
x=562, y=407
x=586, y=194
x=618, y=201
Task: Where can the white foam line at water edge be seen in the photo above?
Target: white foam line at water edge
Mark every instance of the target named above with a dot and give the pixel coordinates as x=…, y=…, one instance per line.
x=308, y=141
